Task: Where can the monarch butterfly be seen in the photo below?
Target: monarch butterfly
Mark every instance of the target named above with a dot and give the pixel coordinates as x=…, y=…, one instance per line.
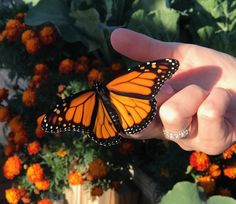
x=125, y=105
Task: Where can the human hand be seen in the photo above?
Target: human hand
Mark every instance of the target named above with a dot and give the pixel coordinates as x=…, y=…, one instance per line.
x=201, y=95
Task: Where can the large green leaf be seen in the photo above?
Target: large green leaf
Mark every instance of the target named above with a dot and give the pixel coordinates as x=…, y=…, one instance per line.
x=57, y=13
x=186, y=192
x=160, y=23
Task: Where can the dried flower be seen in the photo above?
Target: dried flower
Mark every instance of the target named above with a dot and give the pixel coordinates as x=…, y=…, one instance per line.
x=13, y=195
x=207, y=183
x=12, y=167
x=48, y=35
x=98, y=169
x=126, y=147
x=9, y=150
x=43, y=185
x=4, y=114
x=20, y=137
x=35, y=173
x=3, y=94
x=230, y=171
x=224, y=192
x=199, y=161
x=94, y=75
x=229, y=152
x=39, y=132
x=29, y=97
x=33, y=45
x=27, y=35
x=44, y=201
x=34, y=147
x=16, y=124
x=41, y=69
x=97, y=191
x=61, y=152
x=75, y=178
x=214, y=170
x=66, y=66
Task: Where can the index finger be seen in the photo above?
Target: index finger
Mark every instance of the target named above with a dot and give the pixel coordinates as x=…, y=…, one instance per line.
x=143, y=48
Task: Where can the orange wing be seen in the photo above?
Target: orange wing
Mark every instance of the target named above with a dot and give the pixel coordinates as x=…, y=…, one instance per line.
x=145, y=80
x=75, y=113
x=135, y=114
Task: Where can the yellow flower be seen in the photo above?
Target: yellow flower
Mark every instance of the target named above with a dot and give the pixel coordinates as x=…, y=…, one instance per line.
x=61, y=152
x=35, y=173
x=75, y=178
x=43, y=185
x=13, y=195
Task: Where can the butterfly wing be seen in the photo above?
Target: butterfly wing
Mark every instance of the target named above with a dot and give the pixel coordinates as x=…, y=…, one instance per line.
x=83, y=112
x=133, y=93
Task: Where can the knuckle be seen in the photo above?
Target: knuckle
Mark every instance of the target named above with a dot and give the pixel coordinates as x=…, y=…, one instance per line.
x=169, y=112
x=209, y=111
x=196, y=89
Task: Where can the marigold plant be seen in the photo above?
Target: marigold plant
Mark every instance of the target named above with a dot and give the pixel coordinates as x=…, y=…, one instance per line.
x=66, y=66
x=27, y=35
x=200, y=161
x=34, y=147
x=44, y=201
x=98, y=169
x=4, y=114
x=43, y=185
x=48, y=35
x=97, y=191
x=14, y=195
x=75, y=178
x=33, y=45
x=230, y=171
x=29, y=97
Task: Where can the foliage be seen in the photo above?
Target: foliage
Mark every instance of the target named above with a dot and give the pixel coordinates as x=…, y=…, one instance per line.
x=68, y=46
x=186, y=192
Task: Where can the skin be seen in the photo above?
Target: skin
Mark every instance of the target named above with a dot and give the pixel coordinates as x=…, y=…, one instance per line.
x=200, y=96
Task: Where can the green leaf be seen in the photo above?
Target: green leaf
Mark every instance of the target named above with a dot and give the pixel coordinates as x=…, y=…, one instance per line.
x=221, y=200
x=161, y=23
x=57, y=13
x=184, y=193
x=33, y=2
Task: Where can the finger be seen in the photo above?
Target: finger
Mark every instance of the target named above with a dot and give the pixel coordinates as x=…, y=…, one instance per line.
x=143, y=48
x=164, y=94
x=212, y=123
x=177, y=113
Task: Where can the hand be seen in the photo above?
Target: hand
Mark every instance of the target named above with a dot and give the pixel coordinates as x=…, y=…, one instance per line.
x=201, y=95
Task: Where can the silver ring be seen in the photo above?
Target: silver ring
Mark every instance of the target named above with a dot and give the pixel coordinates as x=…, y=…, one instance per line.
x=178, y=135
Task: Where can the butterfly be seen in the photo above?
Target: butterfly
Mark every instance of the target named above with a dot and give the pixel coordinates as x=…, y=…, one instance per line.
x=125, y=105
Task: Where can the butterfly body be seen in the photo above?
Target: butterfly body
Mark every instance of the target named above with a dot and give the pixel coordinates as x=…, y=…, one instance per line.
x=126, y=104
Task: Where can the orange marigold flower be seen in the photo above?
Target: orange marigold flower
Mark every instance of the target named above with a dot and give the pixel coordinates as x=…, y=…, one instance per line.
x=126, y=147
x=98, y=169
x=43, y=185
x=45, y=201
x=94, y=75
x=13, y=24
x=20, y=137
x=66, y=66
x=75, y=178
x=82, y=64
x=230, y=171
x=26, y=199
x=116, y=68
x=33, y=45
x=39, y=132
x=16, y=124
x=214, y=170
x=13, y=195
x=97, y=191
x=199, y=161
x=9, y=150
x=29, y=97
x=35, y=82
x=41, y=69
x=34, y=147
x=48, y=35
x=3, y=94
x=61, y=152
x=12, y=167
x=27, y=35
x=207, y=183
x=4, y=114
x=35, y=173
x=12, y=34
x=229, y=152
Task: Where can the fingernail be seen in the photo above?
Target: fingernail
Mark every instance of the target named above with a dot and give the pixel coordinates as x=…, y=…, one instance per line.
x=167, y=89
